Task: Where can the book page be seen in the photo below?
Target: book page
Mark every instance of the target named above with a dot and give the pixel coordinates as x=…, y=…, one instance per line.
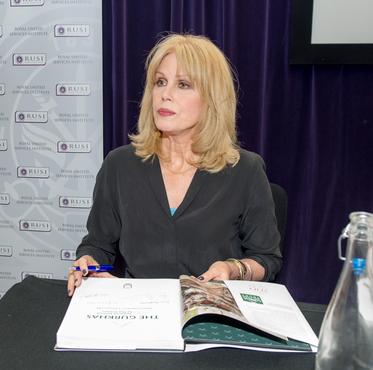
x=209, y=308
x=123, y=314
x=270, y=307
x=207, y=298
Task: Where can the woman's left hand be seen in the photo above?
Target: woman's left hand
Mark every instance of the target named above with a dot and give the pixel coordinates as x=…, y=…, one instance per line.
x=220, y=270
x=227, y=270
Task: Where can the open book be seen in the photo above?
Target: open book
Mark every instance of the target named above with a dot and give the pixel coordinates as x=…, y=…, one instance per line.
x=183, y=315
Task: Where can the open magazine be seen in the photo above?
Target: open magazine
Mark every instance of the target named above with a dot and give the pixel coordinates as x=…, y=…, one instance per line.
x=183, y=315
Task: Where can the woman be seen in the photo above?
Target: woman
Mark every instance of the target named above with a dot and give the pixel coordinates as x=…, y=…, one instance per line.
x=183, y=198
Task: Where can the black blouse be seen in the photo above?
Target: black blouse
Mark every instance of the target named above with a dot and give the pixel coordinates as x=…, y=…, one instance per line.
x=223, y=215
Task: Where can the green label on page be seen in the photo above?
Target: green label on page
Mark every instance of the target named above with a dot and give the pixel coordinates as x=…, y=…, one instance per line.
x=251, y=298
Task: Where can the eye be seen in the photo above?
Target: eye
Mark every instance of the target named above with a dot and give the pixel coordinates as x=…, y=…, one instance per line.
x=185, y=85
x=160, y=82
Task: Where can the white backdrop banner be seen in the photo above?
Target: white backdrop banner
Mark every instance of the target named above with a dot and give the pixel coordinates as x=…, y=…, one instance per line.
x=51, y=132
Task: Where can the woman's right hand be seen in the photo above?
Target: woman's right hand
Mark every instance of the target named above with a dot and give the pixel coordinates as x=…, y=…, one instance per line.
x=74, y=278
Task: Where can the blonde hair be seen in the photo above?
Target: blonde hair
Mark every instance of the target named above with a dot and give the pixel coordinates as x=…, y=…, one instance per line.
x=215, y=140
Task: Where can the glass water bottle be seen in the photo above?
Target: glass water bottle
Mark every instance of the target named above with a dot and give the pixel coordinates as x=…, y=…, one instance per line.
x=346, y=335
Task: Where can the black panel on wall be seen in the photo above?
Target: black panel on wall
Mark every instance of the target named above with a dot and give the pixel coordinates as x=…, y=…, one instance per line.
x=301, y=50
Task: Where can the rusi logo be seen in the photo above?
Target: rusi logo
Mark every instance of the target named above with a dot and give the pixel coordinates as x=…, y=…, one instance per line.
x=4, y=198
x=73, y=89
x=75, y=202
x=26, y=2
x=42, y=275
x=68, y=254
x=71, y=30
x=31, y=117
x=3, y=145
x=73, y=147
x=2, y=89
x=33, y=172
x=33, y=225
x=29, y=59
x=6, y=251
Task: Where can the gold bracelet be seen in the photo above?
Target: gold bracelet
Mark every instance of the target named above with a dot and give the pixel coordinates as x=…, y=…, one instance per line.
x=249, y=269
x=242, y=268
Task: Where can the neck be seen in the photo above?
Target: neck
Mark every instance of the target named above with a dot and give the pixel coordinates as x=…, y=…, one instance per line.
x=177, y=154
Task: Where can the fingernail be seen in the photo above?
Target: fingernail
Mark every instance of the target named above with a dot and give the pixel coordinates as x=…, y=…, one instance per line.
x=69, y=292
x=201, y=278
x=84, y=272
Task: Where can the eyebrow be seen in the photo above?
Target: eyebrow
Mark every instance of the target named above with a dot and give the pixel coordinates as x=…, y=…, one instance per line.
x=178, y=75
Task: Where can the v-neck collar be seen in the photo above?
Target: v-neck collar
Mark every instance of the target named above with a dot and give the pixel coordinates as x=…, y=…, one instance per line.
x=159, y=189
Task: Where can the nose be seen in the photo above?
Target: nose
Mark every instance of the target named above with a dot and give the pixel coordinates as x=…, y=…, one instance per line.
x=166, y=93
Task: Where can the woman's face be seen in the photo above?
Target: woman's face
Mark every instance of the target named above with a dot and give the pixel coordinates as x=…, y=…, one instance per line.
x=177, y=105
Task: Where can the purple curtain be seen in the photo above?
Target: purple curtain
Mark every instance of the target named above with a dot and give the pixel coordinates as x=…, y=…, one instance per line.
x=313, y=125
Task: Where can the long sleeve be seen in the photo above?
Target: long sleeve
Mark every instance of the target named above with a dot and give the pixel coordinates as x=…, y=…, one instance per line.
x=104, y=222
x=258, y=228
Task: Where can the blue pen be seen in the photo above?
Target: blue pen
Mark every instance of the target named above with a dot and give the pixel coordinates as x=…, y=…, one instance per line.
x=95, y=268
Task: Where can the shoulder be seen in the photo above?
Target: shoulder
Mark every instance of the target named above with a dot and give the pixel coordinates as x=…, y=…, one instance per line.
x=119, y=158
x=123, y=155
x=120, y=153
x=252, y=174
x=250, y=161
x=250, y=169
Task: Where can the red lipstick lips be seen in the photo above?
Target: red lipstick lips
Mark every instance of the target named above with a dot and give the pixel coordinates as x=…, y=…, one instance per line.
x=165, y=112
